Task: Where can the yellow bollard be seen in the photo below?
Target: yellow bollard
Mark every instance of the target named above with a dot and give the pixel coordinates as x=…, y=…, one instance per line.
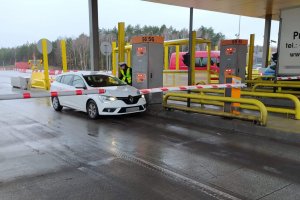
x=121, y=41
x=193, y=53
x=250, y=57
x=46, y=67
x=177, y=57
x=128, y=55
x=208, y=62
x=166, y=57
x=113, y=58
x=64, y=55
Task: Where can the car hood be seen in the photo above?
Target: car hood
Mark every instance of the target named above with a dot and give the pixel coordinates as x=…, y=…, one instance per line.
x=121, y=91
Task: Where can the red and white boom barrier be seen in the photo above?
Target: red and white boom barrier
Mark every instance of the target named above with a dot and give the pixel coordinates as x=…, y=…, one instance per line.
x=288, y=78
x=28, y=95
x=193, y=87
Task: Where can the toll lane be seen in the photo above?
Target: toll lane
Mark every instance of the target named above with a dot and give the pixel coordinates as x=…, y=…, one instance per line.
x=64, y=155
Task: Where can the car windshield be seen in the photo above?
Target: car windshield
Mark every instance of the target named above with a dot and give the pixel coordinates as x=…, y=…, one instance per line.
x=100, y=80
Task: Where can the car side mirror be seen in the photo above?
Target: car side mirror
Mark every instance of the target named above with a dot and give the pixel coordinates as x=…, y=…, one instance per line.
x=80, y=86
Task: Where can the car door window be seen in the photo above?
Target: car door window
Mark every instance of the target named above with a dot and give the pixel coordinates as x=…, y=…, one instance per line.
x=67, y=79
x=77, y=80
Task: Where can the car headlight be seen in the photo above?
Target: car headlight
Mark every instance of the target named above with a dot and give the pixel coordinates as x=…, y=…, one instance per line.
x=107, y=98
x=143, y=96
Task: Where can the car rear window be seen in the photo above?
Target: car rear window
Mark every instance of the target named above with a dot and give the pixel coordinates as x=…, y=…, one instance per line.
x=100, y=80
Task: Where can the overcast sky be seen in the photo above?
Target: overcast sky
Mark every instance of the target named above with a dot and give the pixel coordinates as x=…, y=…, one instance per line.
x=24, y=21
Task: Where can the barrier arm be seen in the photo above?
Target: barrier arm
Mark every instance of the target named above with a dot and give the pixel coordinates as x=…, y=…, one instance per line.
x=263, y=111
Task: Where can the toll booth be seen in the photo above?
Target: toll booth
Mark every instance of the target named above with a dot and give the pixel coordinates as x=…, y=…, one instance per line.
x=233, y=56
x=147, y=60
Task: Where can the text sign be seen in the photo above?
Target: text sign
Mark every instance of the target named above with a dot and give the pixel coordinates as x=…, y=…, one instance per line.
x=105, y=48
x=147, y=39
x=289, y=50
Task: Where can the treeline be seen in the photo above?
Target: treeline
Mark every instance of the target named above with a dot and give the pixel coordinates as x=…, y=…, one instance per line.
x=78, y=48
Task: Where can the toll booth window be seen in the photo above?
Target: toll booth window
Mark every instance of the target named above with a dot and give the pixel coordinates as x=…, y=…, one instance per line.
x=66, y=79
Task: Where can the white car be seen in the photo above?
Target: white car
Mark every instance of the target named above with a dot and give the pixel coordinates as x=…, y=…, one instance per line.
x=119, y=98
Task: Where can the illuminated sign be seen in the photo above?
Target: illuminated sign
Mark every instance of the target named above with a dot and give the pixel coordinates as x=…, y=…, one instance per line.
x=230, y=51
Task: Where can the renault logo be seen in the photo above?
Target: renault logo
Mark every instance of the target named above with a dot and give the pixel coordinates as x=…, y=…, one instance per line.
x=130, y=98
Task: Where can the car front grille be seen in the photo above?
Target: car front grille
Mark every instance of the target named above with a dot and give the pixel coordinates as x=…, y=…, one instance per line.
x=139, y=108
x=130, y=99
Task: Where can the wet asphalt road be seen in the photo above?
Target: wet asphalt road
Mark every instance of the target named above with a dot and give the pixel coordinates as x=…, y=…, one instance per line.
x=63, y=155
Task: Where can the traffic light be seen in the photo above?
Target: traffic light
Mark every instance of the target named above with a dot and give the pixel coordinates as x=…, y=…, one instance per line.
x=186, y=59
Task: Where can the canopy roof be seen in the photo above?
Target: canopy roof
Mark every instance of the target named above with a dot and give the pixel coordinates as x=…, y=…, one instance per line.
x=250, y=8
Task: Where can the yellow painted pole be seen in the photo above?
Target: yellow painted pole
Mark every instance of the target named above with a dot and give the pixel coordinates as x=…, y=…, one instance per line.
x=121, y=41
x=250, y=57
x=46, y=67
x=193, y=50
x=166, y=57
x=64, y=55
x=177, y=57
x=208, y=62
x=128, y=53
x=113, y=58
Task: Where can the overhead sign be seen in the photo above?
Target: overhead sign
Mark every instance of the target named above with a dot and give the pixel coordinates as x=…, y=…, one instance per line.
x=289, y=50
x=40, y=47
x=105, y=48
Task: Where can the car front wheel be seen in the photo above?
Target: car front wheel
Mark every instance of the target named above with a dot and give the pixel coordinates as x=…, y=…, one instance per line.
x=56, y=105
x=92, y=109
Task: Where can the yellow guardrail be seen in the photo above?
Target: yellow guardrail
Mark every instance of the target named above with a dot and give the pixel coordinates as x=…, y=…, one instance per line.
x=203, y=98
x=279, y=86
x=295, y=111
x=272, y=81
x=180, y=77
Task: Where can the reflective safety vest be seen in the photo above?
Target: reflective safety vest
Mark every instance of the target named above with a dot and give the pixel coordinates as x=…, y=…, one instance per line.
x=127, y=76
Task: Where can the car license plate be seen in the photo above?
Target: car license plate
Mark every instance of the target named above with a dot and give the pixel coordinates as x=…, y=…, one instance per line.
x=133, y=109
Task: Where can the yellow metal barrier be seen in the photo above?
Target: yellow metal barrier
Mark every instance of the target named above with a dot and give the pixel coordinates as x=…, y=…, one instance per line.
x=180, y=77
x=261, y=107
x=279, y=86
x=186, y=42
x=295, y=111
x=37, y=80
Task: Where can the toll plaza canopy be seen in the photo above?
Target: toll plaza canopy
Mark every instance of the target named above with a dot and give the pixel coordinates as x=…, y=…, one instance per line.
x=250, y=8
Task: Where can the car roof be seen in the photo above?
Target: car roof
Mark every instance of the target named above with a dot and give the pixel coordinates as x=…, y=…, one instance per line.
x=84, y=73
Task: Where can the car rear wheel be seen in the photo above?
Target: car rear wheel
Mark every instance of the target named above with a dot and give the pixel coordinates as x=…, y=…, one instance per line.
x=92, y=110
x=56, y=105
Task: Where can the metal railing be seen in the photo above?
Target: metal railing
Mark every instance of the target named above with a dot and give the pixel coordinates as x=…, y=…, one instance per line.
x=206, y=99
x=294, y=111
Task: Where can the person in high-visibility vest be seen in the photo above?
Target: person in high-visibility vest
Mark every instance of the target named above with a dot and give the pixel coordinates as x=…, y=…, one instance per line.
x=125, y=73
